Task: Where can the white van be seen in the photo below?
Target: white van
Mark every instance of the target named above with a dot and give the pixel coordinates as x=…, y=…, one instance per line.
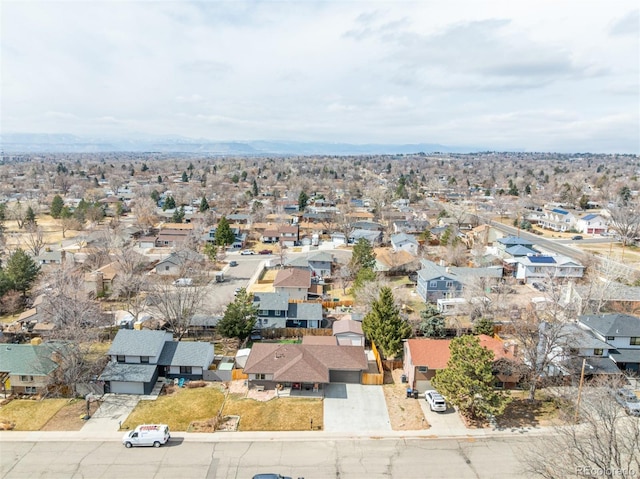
x=183, y=282
x=147, y=435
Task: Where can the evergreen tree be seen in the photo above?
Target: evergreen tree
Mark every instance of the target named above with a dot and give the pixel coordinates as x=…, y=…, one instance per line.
x=185, y=178
x=239, y=317
x=362, y=256
x=363, y=276
x=224, y=235
x=56, y=207
x=303, y=200
x=204, y=205
x=384, y=325
x=178, y=215
x=254, y=188
x=468, y=382
x=30, y=217
x=169, y=203
x=159, y=179
x=483, y=325
x=155, y=196
x=21, y=271
x=144, y=167
x=432, y=324
x=235, y=178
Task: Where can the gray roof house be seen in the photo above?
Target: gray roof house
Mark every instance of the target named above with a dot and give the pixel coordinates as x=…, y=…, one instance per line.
x=404, y=242
x=138, y=357
x=318, y=263
x=438, y=282
x=275, y=311
x=622, y=333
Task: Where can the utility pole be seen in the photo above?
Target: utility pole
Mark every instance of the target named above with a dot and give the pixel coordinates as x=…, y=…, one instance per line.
x=584, y=362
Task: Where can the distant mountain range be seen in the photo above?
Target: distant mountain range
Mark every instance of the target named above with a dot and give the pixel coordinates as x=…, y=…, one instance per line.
x=65, y=143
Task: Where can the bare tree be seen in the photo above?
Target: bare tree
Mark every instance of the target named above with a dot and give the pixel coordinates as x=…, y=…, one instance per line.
x=78, y=321
x=541, y=343
x=34, y=239
x=625, y=221
x=131, y=282
x=603, y=444
x=177, y=304
x=145, y=213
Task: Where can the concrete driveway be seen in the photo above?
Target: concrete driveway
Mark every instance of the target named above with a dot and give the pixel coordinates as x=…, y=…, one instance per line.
x=113, y=411
x=446, y=423
x=355, y=408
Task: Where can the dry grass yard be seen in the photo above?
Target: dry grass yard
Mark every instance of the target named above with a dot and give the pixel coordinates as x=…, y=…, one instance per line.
x=278, y=414
x=30, y=414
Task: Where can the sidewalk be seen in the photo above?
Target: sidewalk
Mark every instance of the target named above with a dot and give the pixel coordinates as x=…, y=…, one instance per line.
x=259, y=436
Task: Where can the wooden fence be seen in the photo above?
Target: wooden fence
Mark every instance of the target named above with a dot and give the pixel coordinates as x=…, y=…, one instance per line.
x=238, y=374
x=374, y=378
x=277, y=333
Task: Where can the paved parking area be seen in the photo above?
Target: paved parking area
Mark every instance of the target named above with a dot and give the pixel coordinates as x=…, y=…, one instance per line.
x=355, y=408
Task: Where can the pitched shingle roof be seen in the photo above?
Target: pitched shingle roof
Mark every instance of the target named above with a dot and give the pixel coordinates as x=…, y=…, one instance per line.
x=137, y=373
x=292, y=278
x=304, y=363
x=434, y=353
x=180, y=353
x=28, y=359
x=133, y=342
x=302, y=311
x=617, y=324
x=272, y=301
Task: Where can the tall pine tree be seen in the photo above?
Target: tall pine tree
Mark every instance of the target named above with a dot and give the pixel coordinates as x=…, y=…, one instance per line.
x=468, y=381
x=224, y=234
x=384, y=326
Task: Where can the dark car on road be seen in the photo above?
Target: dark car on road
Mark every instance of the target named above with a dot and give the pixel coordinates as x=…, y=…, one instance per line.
x=576, y=237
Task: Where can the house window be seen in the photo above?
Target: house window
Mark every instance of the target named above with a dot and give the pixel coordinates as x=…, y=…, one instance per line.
x=120, y=359
x=30, y=390
x=166, y=268
x=422, y=369
x=276, y=313
x=185, y=369
x=144, y=359
x=262, y=312
x=265, y=321
x=634, y=341
x=433, y=284
x=598, y=352
x=611, y=338
x=261, y=376
x=449, y=284
x=26, y=379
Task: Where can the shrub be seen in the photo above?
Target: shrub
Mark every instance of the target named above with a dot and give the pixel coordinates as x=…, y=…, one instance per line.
x=195, y=384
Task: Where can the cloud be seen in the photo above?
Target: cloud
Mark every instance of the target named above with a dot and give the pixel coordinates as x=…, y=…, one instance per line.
x=627, y=25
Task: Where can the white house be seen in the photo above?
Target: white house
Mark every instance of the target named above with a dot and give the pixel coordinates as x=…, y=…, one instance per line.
x=557, y=219
x=592, y=224
x=545, y=266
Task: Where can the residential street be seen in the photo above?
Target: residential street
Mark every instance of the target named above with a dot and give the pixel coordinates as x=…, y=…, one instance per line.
x=348, y=458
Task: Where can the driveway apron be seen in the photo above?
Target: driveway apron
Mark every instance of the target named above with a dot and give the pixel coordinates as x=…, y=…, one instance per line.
x=355, y=408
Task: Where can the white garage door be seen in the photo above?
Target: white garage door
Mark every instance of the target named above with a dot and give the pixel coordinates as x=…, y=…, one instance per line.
x=127, y=387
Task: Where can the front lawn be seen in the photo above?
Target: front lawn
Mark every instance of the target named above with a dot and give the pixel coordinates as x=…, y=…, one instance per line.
x=279, y=414
x=521, y=412
x=178, y=410
x=30, y=415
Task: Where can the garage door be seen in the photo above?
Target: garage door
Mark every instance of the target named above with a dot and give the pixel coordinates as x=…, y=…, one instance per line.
x=127, y=387
x=423, y=385
x=352, y=377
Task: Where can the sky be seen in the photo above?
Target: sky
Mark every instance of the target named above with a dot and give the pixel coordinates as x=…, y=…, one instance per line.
x=533, y=75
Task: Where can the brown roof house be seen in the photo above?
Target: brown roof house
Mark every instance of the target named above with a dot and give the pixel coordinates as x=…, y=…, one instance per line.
x=300, y=368
x=101, y=280
x=423, y=357
x=293, y=281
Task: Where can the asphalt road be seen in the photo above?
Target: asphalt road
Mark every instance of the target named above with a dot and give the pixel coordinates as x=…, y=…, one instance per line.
x=404, y=458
